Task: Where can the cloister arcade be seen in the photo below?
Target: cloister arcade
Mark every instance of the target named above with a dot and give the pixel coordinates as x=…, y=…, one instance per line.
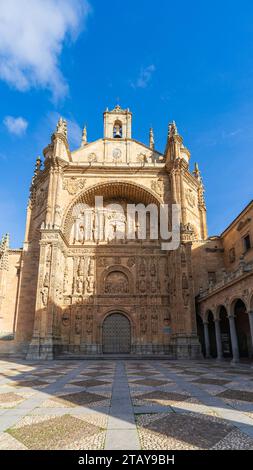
x=226, y=330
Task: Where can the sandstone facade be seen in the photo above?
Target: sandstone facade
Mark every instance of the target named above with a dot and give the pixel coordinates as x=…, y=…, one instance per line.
x=70, y=291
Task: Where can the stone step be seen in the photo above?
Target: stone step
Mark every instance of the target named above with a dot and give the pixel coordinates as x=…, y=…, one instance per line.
x=114, y=357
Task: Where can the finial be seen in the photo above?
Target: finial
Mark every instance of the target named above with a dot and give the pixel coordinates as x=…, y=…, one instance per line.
x=151, y=138
x=172, y=129
x=37, y=165
x=196, y=171
x=84, y=137
x=61, y=127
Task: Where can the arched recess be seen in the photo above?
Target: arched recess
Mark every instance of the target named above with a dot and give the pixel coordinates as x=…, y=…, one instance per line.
x=239, y=309
x=225, y=331
x=212, y=336
x=112, y=190
x=110, y=271
x=116, y=333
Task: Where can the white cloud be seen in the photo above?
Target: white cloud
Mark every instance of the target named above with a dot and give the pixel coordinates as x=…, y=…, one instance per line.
x=32, y=35
x=16, y=126
x=144, y=77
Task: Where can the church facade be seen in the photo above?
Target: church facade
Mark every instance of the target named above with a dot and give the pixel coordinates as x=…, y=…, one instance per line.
x=82, y=288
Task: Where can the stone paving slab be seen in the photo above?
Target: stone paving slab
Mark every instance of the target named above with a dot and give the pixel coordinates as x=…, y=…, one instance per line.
x=126, y=405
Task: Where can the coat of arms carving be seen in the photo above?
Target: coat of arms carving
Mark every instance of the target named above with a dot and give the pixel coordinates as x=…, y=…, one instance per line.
x=157, y=186
x=73, y=185
x=190, y=197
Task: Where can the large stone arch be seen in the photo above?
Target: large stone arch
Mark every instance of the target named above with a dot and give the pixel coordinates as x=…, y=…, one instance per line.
x=109, y=190
x=239, y=309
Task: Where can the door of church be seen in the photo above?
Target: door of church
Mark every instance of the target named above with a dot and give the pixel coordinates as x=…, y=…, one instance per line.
x=116, y=334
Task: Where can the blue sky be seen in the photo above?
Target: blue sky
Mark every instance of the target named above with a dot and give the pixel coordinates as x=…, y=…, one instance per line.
x=187, y=61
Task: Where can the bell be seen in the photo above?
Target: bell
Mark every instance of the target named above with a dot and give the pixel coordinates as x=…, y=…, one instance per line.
x=117, y=131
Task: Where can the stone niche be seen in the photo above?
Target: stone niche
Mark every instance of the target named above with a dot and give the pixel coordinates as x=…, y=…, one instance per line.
x=116, y=282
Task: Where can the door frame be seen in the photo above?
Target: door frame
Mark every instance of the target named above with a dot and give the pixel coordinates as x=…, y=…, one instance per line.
x=125, y=314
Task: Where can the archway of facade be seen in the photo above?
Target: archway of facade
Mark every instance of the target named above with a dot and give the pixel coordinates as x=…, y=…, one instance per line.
x=111, y=192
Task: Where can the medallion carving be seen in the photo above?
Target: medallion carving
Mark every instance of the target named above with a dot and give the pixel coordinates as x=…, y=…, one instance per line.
x=73, y=184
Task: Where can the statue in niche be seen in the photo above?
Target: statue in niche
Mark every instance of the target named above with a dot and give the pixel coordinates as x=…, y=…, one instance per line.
x=186, y=297
x=49, y=253
x=90, y=284
x=80, y=269
x=44, y=296
x=142, y=268
x=154, y=323
x=153, y=269
x=89, y=321
x=79, y=285
x=46, y=280
x=78, y=328
x=184, y=282
x=58, y=215
x=142, y=285
x=144, y=325
x=153, y=285
x=91, y=267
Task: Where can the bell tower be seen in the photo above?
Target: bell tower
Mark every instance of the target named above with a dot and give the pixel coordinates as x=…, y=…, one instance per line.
x=118, y=123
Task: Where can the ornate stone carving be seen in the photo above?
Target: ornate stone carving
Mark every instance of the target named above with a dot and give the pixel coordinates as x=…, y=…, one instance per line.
x=186, y=297
x=89, y=323
x=153, y=269
x=116, y=155
x=142, y=268
x=183, y=255
x=73, y=185
x=46, y=280
x=142, y=285
x=65, y=318
x=190, y=197
x=185, y=284
x=154, y=323
x=49, y=254
x=103, y=262
x=44, y=296
x=157, y=186
x=116, y=283
x=90, y=285
x=142, y=158
x=143, y=323
x=92, y=157
x=131, y=262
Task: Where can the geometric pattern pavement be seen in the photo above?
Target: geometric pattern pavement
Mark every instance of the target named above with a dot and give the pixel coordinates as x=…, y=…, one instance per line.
x=147, y=404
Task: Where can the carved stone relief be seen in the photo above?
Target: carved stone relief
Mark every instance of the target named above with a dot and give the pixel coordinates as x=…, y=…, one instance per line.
x=73, y=184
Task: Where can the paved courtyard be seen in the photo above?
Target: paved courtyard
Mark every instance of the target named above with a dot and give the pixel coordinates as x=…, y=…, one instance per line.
x=144, y=404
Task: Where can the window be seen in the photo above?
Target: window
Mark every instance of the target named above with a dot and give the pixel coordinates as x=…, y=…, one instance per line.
x=117, y=130
x=247, y=244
